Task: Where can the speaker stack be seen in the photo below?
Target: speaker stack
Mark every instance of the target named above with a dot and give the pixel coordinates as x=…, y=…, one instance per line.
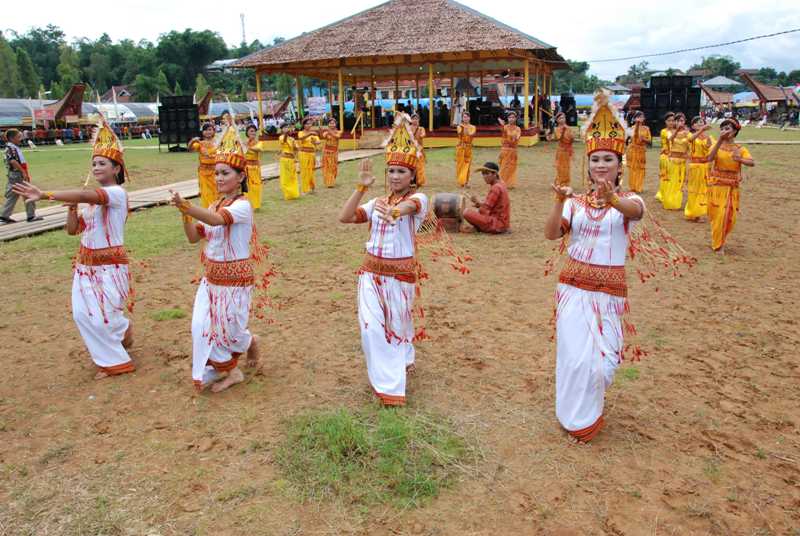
x=668, y=94
x=178, y=120
x=567, y=104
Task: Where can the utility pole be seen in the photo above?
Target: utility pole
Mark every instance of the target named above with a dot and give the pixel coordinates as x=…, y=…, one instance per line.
x=244, y=39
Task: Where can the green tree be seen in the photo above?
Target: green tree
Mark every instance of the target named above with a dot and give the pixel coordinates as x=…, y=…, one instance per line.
x=43, y=45
x=719, y=65
x=56, y=90
x=68, y=71
x=10, y=84
x=793, y=77
x=577, y=79
x=28, y=76
x=184, y=55
x=99, y=70
x=200, y=86
x=177, y=90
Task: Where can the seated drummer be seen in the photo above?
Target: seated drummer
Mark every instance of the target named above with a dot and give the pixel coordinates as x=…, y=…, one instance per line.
x=493, y=215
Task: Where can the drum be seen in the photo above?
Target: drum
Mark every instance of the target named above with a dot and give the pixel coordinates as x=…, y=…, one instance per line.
x=449, y=209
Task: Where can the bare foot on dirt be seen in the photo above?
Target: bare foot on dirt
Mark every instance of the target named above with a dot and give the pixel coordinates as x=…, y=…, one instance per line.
x=101, y=374
x=127, y=340
x=235, y=376
x=411, y=369
x=253, y=352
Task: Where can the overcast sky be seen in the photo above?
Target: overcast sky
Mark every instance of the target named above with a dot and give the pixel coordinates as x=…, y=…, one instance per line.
x=576, y=28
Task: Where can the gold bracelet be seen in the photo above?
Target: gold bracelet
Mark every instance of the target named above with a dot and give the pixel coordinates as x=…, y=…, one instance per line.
x=395, y=213
x=72, y=208
x=187, y=218
x=362, y=188
x=49, y=195
x=184, y=206
x=614, y=201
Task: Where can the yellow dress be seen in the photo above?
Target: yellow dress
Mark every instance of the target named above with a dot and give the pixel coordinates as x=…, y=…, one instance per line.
x=508, y=155
x=464, y=153
x=564, y=152
x=679, y=148
x=253, y=157
x=288, y=169
x=663, y=160
x=723, y=192
x=697, y=200
x=307, y=148
x=206, y=151
x=419, y=135
x=636, y=157
x=330, y=157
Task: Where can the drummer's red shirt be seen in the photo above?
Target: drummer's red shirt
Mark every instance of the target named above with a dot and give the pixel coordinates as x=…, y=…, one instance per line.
x=498, y=207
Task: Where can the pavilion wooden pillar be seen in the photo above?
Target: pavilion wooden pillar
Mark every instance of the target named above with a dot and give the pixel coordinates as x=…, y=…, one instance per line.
x=372, y=98
x=430, y=97
x=525, y=84
x=299, y=90
x=341, y=100
x=452, y=95
x=396, y=87
x=536, y=102
x=260, y=106
x=416, y=83
x=480, y=89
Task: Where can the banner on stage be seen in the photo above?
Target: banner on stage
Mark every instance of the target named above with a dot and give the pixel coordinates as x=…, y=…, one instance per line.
x=316, y=105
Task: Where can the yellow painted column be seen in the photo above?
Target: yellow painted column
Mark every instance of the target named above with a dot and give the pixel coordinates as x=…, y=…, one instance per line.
x=260, y=106
x=430, y=97
x=299, y=89
x=371, y=99
x=525, y=84
x=416, y=82
x=341, y=100
x=396, y=87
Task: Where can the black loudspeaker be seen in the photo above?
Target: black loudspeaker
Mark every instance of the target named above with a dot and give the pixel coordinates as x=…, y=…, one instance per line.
x=178, y=121
x=663, y=100
x=681, y=82
x=572, y=118
x=693, y=97
x=678, y=100
x=647, y=98
x=660, y=83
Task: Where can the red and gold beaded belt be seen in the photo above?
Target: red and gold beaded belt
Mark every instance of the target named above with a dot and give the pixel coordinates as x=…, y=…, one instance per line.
x=673, y=154
x=404, y=269
x=331, y=148
x=595, y=277
x=509, y=144
x=306, y=150
x=464, y=144
x=287, y=155
x=699, y=160
x=253, y=162
x=237, y=273
x=723, y=177
x=102, y=256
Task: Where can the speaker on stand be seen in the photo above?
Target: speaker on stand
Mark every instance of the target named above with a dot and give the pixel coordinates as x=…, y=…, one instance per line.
x=179, y=122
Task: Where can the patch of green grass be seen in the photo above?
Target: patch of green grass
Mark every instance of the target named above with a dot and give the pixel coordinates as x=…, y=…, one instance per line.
x=376, y=456
x=167, y=314
x=712, y=468
x=761, y=454
x=626, y=374
x=56, y=454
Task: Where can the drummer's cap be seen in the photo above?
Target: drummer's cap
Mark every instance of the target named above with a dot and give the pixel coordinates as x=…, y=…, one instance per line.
x=489, y=167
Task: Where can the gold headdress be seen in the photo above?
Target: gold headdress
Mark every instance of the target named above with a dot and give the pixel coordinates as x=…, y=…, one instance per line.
x=605, y=130
x=107, y=144
x=402, y=149
x=230, y=149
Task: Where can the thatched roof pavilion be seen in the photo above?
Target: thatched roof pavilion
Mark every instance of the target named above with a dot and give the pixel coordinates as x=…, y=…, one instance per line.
x=412, y=39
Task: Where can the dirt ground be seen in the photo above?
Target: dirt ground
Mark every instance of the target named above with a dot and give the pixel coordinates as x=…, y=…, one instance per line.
x=702, y=436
